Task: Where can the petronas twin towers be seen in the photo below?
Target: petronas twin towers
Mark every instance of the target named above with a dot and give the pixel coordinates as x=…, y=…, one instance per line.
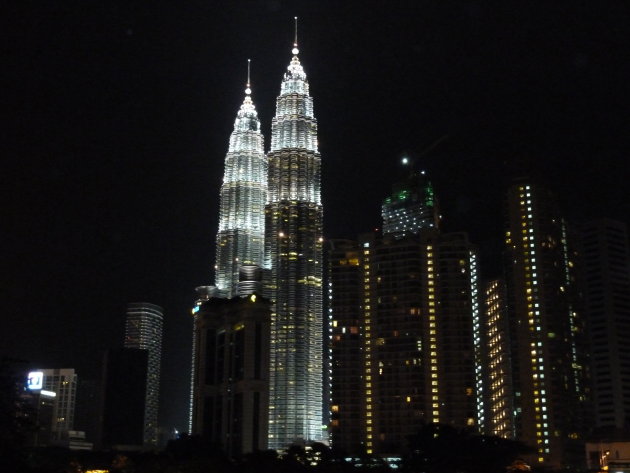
x=271, y=216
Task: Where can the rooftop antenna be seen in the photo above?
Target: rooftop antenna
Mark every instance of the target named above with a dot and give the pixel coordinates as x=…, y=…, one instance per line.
x=295, y=50
x=248, y=90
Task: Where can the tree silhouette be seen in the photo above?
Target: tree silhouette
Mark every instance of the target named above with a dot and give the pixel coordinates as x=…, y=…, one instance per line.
x=16, y=418
x=440, y=448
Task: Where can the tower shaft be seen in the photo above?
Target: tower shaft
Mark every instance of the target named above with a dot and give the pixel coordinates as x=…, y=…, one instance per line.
x=293, y=280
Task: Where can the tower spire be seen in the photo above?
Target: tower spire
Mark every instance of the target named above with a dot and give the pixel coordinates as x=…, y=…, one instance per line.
x=295, y=49
x=248, y=90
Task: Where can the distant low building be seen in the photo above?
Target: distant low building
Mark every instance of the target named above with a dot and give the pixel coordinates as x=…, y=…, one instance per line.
x=76, y=440
x=62, y=382
x=611, y=456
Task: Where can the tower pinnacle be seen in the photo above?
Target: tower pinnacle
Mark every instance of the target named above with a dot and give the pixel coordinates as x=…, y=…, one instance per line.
x=295, y=49
x=248, y=90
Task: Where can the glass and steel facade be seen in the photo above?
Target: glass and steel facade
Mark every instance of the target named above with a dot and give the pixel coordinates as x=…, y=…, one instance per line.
x=241, y=234
x=143, y=330
x=293, y=263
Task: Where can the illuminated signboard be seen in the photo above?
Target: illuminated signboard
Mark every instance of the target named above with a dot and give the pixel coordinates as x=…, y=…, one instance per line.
x=35, y=380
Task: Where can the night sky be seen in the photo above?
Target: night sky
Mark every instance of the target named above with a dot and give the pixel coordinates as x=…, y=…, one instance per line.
x=117, y=117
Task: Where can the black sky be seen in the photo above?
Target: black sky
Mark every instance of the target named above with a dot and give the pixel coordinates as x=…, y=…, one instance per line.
x=117, y=118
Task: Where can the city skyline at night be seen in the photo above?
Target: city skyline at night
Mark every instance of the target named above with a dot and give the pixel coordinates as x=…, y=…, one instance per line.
x=121, y=119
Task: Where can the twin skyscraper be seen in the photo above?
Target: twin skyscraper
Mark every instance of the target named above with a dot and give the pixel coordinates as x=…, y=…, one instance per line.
x=271, y=222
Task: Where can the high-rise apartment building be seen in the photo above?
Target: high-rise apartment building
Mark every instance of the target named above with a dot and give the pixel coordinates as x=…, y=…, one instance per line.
x=420, y=310
x=405, y=327
x=345, y=283
x=496, y=362
x=546, y=328
x=411, y=207
x=241, y=235
x=143, y=330
x=293, y=281
x=605, y=270
x=231, y=392
x=63, y=382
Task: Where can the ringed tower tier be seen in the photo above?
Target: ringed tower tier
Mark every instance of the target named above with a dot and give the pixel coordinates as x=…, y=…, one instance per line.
x=241, y=234
x=293, y=282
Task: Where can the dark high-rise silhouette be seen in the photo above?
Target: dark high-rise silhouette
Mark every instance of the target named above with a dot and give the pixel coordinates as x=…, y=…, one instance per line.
x=231, y=391
x=415, y=317
x=345, y=281
x=420, y=313
x=605, y=267
x=124, y=397
x=546, y=327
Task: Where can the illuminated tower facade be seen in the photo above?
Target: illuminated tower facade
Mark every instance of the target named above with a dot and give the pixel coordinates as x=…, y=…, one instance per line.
x=545, y=327
x=241, y=234
x=294, y=265
x=143, y=330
